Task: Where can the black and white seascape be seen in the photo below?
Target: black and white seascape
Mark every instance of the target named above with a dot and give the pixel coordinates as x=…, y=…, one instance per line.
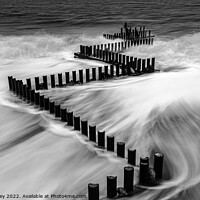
x=43, y=158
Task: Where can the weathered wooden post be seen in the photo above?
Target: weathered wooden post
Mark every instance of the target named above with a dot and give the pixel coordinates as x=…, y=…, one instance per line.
x=45, y=84
x=113, y=57
x=14, y=85
x=110, y=57
x=51, y=107
x=121, y=149
x=111, y=70
x=132, y=157
x=60, y=83
x=37, y=98
x=94, y=74
x=10, y=82
x=93, y=191
x=117, y=70
x=81, y=75
x=101, y=138
x=84, y=127
x=57, y=110
x=144, y=171
x=53, y=81
x=123, y=70
x=110, y=143
x=148, y=64
x=41, y=101
x=63, y=112
x=139, y=65
x=67, y=77
x=37, y=83
x=24, y=92
x=120, y=58
x=106, y=71
x=46, y=103
x=111, y=186
x=81, y=49
x=70, y=118
x=92, y=133
x=158, y=165
x=107, y=59
x=28, y=97
x=143, y=65
x=128, y=178
x=104, y=55
x=77, y=123
x=28, y=83
x=94, y=50
x=124, y=59
x=100, y=73
x=153, y=64
x=74, y=76
x=87, y=75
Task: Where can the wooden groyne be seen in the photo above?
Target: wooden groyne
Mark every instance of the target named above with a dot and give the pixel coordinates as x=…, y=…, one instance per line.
x=117, y=65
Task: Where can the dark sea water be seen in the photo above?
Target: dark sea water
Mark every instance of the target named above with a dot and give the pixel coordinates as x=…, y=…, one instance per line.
x=157, y=112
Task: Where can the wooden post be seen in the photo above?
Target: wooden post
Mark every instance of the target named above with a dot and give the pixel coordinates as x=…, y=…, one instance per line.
x=110, y=143
x=32, y=95
x=120, y=58
x=123, y=70
x=57, y=110
x=158, y=165
x=121, y=149
x=81, y=49
x=110, y=57
x=116, y=57
x=67, y=77
x=52, y=81
x=14, y=85
x=63, y=112
x=41, y=101
x=24, y=92
x=93, y=191
x=81, y=75
x=51, y=107
x=45, y=84
x=28, y=97
x=124, y=59
x=111, y=186
x=153, y=64
x=143, y=65
x=148, y=64
x=84, y=127
x=74, y=76
x=70, y=118
x=132, y=156
x=60, y=84
x=128, y=178
x=37, y=83
x=92, y=133
x=104, y=55
x=28, y=83
x=144, y=169
x=101, y=138
x=119, y=48
x=100, y=73
x=113, y=57
x=94, y=50
x=106, y=71
x=10, y=82
x=87, y=75
x=117, y=70
x=94, y=74
x=77, y=123
x=111, y=70
x=115, y=46
x=46, y=103
x=139, y=65
x=37, y=98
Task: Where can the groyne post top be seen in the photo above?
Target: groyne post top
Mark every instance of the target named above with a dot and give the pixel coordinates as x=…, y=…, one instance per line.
x=93, y=191
x=111, y=186
x=70, y=121
x=92, y=133
x=77, y=123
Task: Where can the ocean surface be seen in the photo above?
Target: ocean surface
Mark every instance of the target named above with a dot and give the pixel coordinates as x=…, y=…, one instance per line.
x=158, y=112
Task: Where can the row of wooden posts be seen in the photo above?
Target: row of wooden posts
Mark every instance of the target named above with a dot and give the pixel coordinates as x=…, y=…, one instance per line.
x=145, y=177
x=25, y=92
x=86, y=75
x=128, y=33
